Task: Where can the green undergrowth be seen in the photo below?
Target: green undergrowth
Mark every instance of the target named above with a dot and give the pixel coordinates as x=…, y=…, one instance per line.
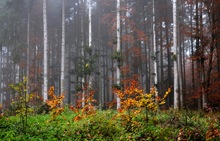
x=107, y=126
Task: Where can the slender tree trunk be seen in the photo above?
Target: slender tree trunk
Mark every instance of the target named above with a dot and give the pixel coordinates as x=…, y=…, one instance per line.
x=62, y=74
x=198, y=53
x=179, y=63
x=1, y=75
x=90, y=23
x=99, y=63
x=90, y=38
x=6, y=81
x=180, y=78
x=184, y=72
x=146, y=81
x=118, y=50
x=70, y=79
x=170, y=97
x=155, y=51
x=45, y=59
x=202, y=61
x=192, y=50
x=151, y=70
x=161, y=60
x=82, y=52
x=175, y=63
x=28, y=48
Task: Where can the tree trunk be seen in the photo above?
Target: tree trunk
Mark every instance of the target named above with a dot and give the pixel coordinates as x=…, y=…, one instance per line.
x=179, y=63
x=28, y=48
x=155, y=52
x=161, y=60
x=202, y=60
x=1, y=75
x=62, y=73
x=198, y=53
x=175, y=63
x=192, y=51
x=45, y=59
x=118, y=50
x=82, y=52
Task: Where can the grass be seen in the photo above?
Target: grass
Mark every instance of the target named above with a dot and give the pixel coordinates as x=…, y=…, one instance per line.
x=107, y=126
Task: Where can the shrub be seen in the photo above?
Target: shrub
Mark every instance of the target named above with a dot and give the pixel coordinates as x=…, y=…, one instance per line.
x=20, y=106
x=88, y=108
x=54, y=103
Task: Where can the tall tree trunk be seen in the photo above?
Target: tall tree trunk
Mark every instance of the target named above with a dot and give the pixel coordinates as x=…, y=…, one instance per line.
x=90, y=23
x=118, y=49
x=202, y=60
x=175, y=63
x=155, y=51
x=183, y=68
x=161, y=60
x=62, y=74
x=82, y=52
x=179, y=63
x=45, y=59
x=169, y=68
x=146, y=81
x=90, y=38
x=198, y=53
x=28, y=47
x=70, y=79
x=192, y=50
x=1, y=76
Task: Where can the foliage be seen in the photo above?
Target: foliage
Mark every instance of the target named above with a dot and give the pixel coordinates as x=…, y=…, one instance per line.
x=117, y=55
x=21, y=104
x=88, y=108
x=190, y=134
x=105, y=126
x=151, y=101
x=98, y=126
x=213, y=133
x=134, y=100
x=87, y=63
x=55, y=102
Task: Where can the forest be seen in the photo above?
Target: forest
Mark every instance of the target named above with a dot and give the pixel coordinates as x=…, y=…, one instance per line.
x=139, y=65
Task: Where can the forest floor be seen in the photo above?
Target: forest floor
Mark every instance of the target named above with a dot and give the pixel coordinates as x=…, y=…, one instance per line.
x=110, y=125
